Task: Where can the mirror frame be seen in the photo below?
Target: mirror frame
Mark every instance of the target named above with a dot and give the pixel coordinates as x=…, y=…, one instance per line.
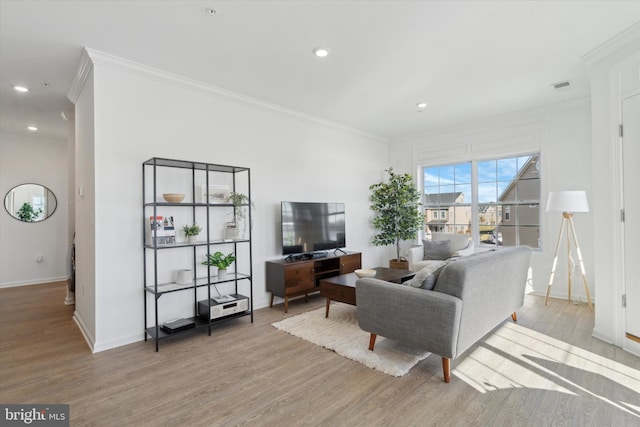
x=47, y=191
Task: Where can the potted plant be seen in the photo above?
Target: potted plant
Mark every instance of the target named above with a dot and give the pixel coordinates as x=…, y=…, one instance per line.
x=191, y=232
x=26, y=213
x=221, y=261
x=397, y=213
x=241, y=205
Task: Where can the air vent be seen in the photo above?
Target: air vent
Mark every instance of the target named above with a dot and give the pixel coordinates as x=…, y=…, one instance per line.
x=561, y=85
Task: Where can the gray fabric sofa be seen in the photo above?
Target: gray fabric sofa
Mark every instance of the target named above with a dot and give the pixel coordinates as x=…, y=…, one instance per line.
x=472, y=295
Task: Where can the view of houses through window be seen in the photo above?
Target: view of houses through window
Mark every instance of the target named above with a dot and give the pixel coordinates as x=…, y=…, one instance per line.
x=497, y=200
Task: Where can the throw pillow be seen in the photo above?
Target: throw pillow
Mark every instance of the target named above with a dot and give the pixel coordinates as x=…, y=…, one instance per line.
x=436, y=250
x=426, y=278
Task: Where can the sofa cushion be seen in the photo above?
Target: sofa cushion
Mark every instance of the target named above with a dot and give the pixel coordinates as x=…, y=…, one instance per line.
x=457, y=242
x=427, y=276
x=436, y=250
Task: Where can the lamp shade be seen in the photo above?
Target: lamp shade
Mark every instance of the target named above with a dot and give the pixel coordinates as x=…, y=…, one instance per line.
x=567, y=201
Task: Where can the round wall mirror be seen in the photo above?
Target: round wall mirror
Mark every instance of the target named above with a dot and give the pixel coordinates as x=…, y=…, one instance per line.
x=30, y=202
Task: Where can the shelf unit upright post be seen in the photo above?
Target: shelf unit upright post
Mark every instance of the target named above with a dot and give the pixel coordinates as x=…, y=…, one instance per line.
x=151, y=242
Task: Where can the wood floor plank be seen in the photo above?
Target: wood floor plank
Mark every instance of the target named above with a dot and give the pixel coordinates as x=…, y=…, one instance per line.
x=254, y=374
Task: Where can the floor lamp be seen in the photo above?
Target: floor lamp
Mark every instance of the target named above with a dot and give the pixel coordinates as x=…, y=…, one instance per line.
x=568, y=202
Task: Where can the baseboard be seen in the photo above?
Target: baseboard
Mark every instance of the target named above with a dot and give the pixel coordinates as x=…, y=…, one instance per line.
x=88, y=337
x=631, y=346
x=33, y=282
x=581, y=299
x=119, y=342
x=602, y=337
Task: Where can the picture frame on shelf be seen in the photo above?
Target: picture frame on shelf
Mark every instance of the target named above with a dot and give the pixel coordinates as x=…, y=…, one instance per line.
x=218, y=193
x=161, y=230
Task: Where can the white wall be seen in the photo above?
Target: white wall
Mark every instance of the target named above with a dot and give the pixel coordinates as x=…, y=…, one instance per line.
x=84, y=202
x=30, y=159
x=142, y=113
x=615, y=71
x=562, y=134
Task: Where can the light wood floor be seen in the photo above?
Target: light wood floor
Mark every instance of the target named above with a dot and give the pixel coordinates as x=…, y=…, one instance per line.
x=544, y=370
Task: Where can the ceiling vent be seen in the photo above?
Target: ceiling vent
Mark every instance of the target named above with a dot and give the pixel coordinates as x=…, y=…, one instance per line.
x=562, y=85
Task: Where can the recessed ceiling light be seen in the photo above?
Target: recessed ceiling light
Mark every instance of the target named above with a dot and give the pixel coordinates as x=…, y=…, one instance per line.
x=21, y=89
x=321, y=52
x=32, y=128
x=421, y=105
x=210, y=11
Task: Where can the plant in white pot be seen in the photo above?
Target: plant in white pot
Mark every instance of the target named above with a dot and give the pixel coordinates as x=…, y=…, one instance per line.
x=241, y=206
x=191, y=232
x=221, y=261
x=397, y=213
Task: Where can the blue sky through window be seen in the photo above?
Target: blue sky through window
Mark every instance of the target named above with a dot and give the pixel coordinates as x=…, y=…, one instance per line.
x=494, y=176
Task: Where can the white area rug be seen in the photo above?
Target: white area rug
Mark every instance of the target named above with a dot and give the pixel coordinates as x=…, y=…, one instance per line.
x=341, y=333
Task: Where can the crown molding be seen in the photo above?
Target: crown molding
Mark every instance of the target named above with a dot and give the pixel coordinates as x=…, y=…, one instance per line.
x=629, y=39
x=82, y=72
x=93, y=57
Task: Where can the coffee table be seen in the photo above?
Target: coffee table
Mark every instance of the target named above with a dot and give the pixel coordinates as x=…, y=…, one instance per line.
x=343, y=288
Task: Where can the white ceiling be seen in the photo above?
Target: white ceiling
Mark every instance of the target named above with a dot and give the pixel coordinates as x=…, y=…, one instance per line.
x=466, y=59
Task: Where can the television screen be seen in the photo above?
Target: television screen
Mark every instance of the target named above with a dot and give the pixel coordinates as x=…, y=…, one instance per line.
x=309, y=227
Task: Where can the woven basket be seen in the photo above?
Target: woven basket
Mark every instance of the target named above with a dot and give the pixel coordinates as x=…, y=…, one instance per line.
x=403, y=264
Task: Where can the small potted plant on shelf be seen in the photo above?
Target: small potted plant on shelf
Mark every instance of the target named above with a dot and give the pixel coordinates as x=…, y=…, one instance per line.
x=191, y=232
x=241, y=206
x=221, y=261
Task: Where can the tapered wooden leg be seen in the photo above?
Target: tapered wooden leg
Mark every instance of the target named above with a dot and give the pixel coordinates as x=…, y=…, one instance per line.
x=271, y=303
x=446, y=369
x=326, y=311
x=555, y=260
x=514, y=316
x=372, y=341
x=286, y=304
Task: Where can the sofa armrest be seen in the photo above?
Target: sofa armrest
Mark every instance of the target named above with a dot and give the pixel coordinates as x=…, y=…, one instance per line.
x=468, y=250
x=417, y=318
x=415, y=255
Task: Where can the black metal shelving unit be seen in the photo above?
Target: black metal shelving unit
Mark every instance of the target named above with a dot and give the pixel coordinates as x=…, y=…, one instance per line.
x=193, y=175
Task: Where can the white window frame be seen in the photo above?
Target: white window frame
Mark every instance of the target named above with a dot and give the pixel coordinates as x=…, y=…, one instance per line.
x=474, y=185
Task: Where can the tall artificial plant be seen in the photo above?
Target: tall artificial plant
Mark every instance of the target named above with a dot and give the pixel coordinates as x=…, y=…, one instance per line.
x=396, y=207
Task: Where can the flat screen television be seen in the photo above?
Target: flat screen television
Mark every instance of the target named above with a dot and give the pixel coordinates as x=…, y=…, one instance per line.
x=309, y=227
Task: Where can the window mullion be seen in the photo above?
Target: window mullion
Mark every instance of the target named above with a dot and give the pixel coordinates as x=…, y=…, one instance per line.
x=475, y=225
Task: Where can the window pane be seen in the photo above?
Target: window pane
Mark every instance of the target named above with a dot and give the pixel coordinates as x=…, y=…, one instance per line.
x=529, y=236
x=506, y=191
x=529, y=215
x=447, y=195
x=507, y=169
x=487, y=171
x=446, y=188
x=528, y=189
x=463, y=173
x=446, y=175
x=466, y=193
x=487, y=193
x=432, y=197
x=522, y=161
x=430, y=176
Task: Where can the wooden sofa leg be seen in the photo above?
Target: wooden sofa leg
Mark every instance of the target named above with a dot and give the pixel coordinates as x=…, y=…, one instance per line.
x=514, y=316
x=446, y=369
x=372, y=341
